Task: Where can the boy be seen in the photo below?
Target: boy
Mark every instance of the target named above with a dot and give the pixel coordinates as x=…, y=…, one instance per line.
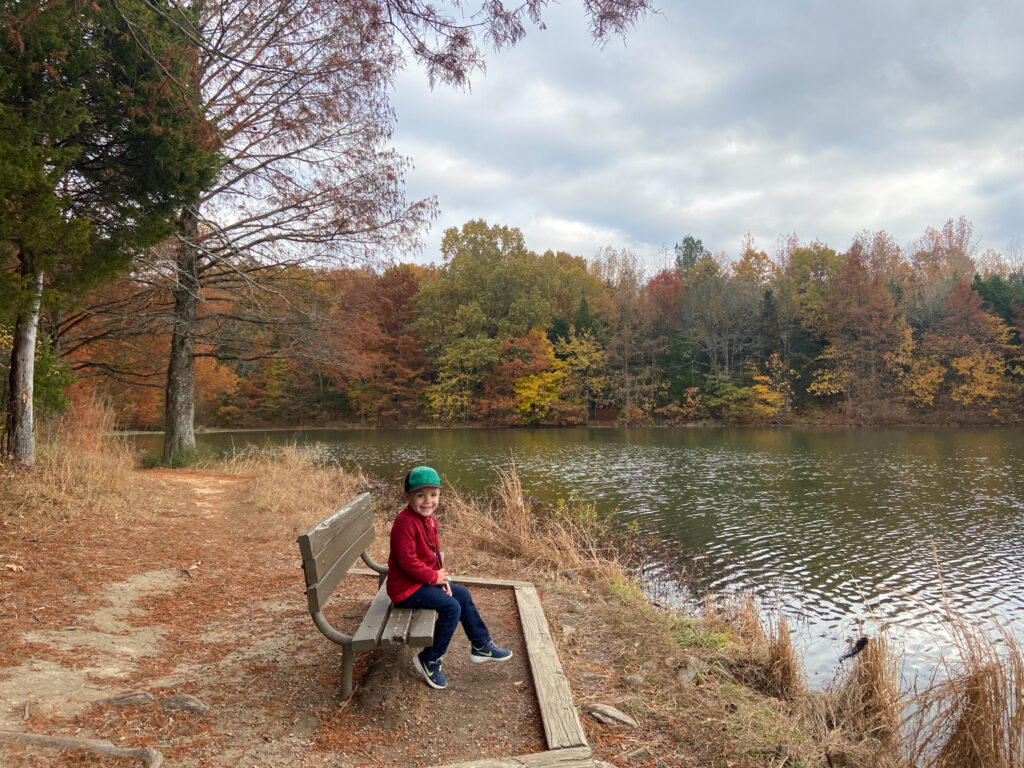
x=417, y=578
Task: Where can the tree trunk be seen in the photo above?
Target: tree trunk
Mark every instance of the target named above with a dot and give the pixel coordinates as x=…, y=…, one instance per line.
x=20, y=438
x=180, y=401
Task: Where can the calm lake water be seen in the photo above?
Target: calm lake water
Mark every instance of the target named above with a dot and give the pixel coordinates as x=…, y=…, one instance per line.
x=830, y=527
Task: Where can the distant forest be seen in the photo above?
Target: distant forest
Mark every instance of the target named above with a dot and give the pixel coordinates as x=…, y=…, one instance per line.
x=500, y=335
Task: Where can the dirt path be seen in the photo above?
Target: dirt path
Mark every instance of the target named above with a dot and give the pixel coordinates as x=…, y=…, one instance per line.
x=190, y=600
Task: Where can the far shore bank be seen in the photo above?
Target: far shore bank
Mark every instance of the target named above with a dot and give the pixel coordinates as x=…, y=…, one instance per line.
x=356, y=427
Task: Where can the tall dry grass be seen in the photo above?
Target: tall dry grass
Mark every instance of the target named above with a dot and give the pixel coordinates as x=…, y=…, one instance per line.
x=291, y=487
x=569, y=536
x=974, y=716
x=865, y=705
x=784, y=677
x=80, y=465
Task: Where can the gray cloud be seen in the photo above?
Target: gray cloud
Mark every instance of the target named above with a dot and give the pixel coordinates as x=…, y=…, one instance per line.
x=813, y=118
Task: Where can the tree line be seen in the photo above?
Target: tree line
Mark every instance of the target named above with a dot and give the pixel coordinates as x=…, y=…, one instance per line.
x=498, y=334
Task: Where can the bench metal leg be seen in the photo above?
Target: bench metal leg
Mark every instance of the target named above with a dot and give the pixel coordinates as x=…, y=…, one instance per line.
x=346, y=671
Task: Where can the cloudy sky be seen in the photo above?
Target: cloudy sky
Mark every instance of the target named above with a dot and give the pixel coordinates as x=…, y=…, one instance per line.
x=811, y=117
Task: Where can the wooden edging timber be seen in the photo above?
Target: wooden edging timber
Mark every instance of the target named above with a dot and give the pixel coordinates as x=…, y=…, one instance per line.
x=577, y=757
x=562, y=726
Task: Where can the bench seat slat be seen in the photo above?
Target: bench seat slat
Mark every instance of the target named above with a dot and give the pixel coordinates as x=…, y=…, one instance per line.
x=370, y=630
x=397, y=628
x=421, y=629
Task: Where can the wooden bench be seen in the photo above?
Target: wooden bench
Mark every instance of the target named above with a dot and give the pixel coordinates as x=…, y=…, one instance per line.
x=328, y=550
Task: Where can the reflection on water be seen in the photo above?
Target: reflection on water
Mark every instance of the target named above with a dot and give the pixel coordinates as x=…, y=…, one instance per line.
x=831, y=527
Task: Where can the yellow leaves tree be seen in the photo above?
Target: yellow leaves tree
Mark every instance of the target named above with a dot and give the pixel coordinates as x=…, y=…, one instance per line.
x=978, y=378
x=537, y=392
x=972, y=346
x=771, y=392
x=585, y=363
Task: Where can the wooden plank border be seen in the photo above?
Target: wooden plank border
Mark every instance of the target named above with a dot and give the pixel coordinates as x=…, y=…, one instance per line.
x=562, y=725
x=577, y=757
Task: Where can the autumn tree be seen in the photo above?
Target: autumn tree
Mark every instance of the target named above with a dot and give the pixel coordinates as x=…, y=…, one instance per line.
x=802, y=290
x=100, y=145
x=489, y=289
x=869, y=343
x=884, y=258
x=719, y=320
x=586, y=381
x=971, y=346
x=299, y=93
x=937, y=260
x=634, y=380
x=524, y=385
x=382, y=324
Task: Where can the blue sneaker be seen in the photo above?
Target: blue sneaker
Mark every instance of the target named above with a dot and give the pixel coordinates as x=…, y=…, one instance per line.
x=488, y=652
x=431, y=671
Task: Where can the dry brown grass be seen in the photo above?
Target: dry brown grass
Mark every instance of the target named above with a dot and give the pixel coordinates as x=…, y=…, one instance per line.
x=79, y=467
x=974, y=716
x=783, y=669
x=291, y=488
x=540, y=537
x=863, y=708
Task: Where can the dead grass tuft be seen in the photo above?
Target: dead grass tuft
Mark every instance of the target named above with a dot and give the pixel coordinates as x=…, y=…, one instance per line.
x=292, y=487
x=570, y=536
x=80, y=466
x=974, y=718
x=783, y=668
x=865, y=704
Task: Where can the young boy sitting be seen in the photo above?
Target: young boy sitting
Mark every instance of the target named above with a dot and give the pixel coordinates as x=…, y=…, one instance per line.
x=417, y=578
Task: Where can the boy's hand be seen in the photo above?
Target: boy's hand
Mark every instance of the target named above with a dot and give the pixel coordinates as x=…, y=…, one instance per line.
x=442, y=577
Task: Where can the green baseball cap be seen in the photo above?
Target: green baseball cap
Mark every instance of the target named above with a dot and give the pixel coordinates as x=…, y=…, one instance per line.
x=422, y=477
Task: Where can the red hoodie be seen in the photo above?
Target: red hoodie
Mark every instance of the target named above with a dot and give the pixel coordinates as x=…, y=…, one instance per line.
x=415, y=556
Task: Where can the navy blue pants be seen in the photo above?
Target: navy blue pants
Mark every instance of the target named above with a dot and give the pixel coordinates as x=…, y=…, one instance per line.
x=451, y=610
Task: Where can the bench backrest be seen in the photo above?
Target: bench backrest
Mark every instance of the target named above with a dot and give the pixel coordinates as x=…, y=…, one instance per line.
x=331, y=546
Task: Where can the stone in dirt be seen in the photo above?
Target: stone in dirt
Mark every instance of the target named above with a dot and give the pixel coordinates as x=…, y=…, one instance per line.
x=690, y=668
x=305, y=726
x=609, y=715
x=185, y=703
x=133, y=699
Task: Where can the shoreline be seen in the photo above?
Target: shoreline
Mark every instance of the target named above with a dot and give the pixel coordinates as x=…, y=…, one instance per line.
x=600, y=426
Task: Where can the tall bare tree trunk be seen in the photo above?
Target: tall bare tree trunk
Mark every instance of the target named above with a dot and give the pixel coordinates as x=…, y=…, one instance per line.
x=20, y=438
x=180, y=403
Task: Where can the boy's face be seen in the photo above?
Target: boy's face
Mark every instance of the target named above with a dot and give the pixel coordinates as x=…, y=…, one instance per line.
x=424, y=500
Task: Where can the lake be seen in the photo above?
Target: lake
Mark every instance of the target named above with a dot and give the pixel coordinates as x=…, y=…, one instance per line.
x=832, y=527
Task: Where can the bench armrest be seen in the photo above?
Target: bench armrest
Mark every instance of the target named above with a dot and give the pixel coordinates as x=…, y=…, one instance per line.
x=382, y=570
x=330, y=632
